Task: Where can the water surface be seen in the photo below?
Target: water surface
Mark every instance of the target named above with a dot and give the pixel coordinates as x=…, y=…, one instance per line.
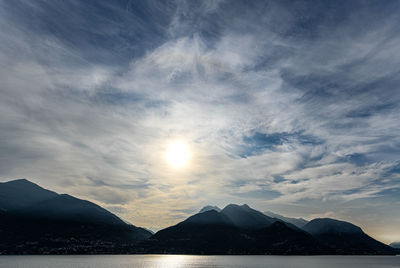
x=187, y=261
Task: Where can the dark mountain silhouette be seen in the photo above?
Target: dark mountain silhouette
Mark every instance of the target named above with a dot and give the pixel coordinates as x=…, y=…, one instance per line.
x=345, y=238
x=212, y=232
x=34, y=220
x=208, y=217
x=246, y=217
x=66, y=207
x=395, y=245
x=207, y=208
x=21, y=193
x=26, y=235
x=299, y=222
x=46, y=222
x=327, y=225
x=243, y=230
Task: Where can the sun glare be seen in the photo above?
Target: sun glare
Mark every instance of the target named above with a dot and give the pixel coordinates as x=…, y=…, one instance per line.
x=178, y=154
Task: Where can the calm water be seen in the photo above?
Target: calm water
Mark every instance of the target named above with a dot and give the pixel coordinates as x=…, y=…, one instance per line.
x=185, y=261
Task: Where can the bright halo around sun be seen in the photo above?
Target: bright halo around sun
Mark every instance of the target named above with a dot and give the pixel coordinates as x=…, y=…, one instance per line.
x=178, y=154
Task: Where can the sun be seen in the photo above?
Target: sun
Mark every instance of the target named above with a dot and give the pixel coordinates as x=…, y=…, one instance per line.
x=178, y=154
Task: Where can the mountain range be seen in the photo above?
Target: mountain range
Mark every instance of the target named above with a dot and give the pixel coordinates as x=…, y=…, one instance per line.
x=34, y=220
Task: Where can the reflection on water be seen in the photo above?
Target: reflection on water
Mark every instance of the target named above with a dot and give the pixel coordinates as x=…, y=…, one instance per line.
x=170, y=261
x=187, y=261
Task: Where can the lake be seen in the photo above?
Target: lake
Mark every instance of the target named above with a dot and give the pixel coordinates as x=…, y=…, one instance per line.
x=188, y=261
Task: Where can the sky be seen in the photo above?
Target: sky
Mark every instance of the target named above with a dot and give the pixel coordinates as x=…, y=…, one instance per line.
x=288, y=106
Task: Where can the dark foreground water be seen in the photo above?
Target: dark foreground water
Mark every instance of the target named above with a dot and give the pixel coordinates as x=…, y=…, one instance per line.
x=186, y=261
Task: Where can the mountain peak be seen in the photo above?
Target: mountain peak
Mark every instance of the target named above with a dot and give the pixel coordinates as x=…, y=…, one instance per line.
x=245, y=217
x=231, y=206
x=236, y=205
x=208, y=217
x=17, y=181
x=19, y=193
x=240, y=207
x=209, y=207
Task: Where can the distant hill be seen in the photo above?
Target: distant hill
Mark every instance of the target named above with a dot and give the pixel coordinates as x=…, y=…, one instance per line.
x=395, y=245
x=327, y=225
x=299, y=222
x=345, y=238
x=34, y=220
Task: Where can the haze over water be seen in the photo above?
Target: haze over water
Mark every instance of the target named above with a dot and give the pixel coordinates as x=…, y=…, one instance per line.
x=186, y=261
